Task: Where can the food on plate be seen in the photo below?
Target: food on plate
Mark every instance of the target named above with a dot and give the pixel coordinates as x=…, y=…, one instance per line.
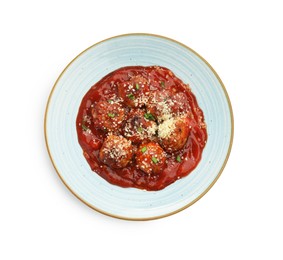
x=141, y=127
x=108, y=115
x=137, y=128
x=173, y=133
x=151, y=158
x=116, y=151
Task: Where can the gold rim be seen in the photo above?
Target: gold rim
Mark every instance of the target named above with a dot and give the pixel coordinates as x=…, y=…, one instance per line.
x=207, y=189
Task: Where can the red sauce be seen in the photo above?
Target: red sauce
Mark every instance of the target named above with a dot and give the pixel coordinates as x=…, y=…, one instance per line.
x=144, y=82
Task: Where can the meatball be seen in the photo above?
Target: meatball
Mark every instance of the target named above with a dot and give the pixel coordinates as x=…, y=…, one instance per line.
x=139, y=129
x=151, y=158
x=173, y=133
x=160, y=104
x=164, y=104
x=180, y=104
x=108, y=115
x=134, y=92
x=116, y=151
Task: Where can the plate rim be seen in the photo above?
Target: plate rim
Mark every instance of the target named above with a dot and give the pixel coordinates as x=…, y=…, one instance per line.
x=163, y=215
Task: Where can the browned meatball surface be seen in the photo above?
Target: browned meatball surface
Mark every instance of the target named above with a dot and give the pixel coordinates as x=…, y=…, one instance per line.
x=116, y=151
x=108, y=115
x=160, y=104
x=173, y=134
x=180, y=104
x=151, y=158
x=138, y=129
x=134, y=92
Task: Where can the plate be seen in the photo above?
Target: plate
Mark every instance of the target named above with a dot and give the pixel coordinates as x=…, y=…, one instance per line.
x=88, y=68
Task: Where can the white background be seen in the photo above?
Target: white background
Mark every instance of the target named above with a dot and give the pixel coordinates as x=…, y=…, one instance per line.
x=239, y=218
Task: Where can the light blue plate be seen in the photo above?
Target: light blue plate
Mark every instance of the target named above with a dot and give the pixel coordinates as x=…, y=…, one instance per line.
x=89, y=67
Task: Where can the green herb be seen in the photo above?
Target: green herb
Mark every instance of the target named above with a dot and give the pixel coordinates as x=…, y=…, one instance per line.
x=111, y=115
x=162, y=84
x=140, y=129
x=131, y=96
x=143, y=150
x=84, y=127
x=178, y=158
x=149, y=116
x=154, y=159
x=137, y=86
x=110, y=101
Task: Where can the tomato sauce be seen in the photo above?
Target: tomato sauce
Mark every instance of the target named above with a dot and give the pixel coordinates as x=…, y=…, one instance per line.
x=91, y=137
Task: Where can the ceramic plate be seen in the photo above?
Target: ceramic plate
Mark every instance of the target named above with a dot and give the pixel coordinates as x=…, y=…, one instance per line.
x=88, y=68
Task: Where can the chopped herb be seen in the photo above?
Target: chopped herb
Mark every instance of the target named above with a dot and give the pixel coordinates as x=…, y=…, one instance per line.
x=111, y=115
x=143, y=150
x=84, y=127
x=149, y=116
x=137, y=86
x=154, y=159
x=110, y=101
x=131, y=96
x=162, y=84
x=178, y=158
x=140, y=129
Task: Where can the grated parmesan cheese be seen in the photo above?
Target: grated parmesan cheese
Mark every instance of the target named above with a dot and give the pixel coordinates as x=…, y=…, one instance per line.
x=115, y=100
x=116, y=146
x=166, y=127
x=151, y=130
x=142, y=99
x=164, y=106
